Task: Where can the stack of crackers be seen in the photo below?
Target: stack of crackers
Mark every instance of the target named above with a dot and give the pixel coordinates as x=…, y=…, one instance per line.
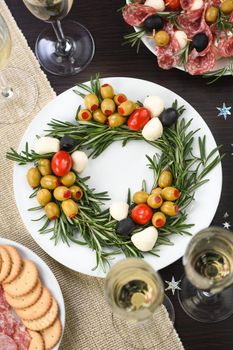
x=30, y=299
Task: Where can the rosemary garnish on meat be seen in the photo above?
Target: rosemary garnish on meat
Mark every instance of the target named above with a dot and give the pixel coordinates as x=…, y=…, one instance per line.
x=216, y=74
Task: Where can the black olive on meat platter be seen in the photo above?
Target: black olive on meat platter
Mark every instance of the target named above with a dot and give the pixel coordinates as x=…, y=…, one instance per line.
x=200, y=41
x=154, y=22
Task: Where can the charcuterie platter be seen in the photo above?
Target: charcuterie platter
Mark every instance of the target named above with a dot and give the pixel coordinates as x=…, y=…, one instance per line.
x=192, y=35
x=88, y=201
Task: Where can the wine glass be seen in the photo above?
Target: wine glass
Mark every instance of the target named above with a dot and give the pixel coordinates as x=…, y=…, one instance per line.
x=206, y=292
x=61, y=53
x=134, y=290
x=18, y=90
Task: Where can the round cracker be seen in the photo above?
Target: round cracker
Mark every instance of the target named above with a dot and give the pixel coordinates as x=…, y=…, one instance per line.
x=16, y=261
x=37, y=342
x=6, y=263
x=52, y=334
x=24, y=282
x=37, y=310
x=45, y=321
x=27, y=299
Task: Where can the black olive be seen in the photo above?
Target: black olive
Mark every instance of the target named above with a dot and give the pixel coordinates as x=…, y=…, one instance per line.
x=125, y=227
x=169, y=116
x=67, y=143
x=154, y=22
x=200, y=41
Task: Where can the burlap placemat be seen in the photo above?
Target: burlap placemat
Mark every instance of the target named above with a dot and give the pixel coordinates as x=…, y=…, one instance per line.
x=88, y=318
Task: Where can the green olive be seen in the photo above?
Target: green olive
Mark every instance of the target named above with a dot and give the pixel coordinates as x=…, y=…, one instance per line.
x=84, y=114
x=69, y=179
x=227, y=6
x=52, y=211
x=126, y=108
x=156, y=190
x=165, y=179
x=140, y=197
x=155, y=201
x=91, y=102
x=99, y=117
x=33, y=177
x=70, y=208
x=119, y=98
x=169, y=208
x=76, y=192
x=161, y=38
x=158, y=219
x=115, y=120
x=211, y=14
x=43, y=196
x=61, y=193
x=44, y=166
x=49, y=181
x=170, y=193
x=106, y=91
x=108, y=106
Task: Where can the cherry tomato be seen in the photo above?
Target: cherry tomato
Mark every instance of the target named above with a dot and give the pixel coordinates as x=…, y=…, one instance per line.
x=139, y=118
x=61, y=163
x=142, y=214
x=173, y=5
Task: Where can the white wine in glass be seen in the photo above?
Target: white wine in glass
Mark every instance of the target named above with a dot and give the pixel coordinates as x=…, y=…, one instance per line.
x=18, y=90
x=206, y=291
x=61, y=53
x=135, y=291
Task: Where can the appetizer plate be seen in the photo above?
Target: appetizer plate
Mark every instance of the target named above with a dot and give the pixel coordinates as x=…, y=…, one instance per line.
x=116, y=170
x=46, y=276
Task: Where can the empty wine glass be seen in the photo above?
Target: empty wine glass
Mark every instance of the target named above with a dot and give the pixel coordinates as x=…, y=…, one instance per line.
x=18, y=90
x=61, y=53
x=206, y=292
x=135, y=292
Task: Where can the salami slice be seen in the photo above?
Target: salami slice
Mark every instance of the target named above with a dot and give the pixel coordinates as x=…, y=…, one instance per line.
x=21, y=337
x=7, y=323
x=197, y=64
x=225, y=47
x=136, y=14
x=166, y=55
x=3, y=303
x=6, y=343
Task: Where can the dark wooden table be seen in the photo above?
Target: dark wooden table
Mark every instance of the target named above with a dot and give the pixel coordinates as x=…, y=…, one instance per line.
x=113, y=59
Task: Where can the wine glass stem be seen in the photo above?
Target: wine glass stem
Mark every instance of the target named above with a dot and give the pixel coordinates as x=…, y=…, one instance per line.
x=6, y=90
x=64, y=46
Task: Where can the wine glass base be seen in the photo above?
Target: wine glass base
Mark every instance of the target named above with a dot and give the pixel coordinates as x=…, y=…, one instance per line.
x=202, y=306
x=81, y=54
x=148, y=334
x=20, y=100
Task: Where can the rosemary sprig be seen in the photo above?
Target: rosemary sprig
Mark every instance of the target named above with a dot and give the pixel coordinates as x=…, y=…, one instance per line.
x=171, y=17
x=26, y=156
x=183, y=55
x=216, y=74
x=134, y=39
x=223, y=25
x=94, y=87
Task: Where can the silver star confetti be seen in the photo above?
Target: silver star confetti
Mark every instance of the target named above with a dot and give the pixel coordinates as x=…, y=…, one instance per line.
x=173, y=285
x=226, y=215
x=224, y=111
x=226, y=225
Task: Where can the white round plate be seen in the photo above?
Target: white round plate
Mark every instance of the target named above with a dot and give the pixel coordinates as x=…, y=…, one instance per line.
x=150, y=44
x=116, y=170
x=46, y=276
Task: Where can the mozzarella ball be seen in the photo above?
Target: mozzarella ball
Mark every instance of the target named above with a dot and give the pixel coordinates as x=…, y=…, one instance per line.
x=80, y=161
x=145, y=239
x=119, y=210
x=159, y=5
x=155, y=105
x=196, y=5
x=181, y=37
x=47, y=144
x=152, y=130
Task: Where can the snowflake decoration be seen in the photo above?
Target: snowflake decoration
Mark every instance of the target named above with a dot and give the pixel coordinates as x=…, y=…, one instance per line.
x=173, y=285
x=226, y=225
x=226, y=215
x=224, y=111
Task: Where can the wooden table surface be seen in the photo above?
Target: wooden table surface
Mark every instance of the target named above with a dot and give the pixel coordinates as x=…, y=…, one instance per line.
x=113, y=59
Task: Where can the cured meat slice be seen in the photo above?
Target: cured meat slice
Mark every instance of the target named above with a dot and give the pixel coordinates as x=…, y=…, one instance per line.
x=225, y=46
x=197, y=64
x=21, y=337
x=166, y=55
x=136, y=14
x=3, y=303
x=7, y=323
x=6, y=343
